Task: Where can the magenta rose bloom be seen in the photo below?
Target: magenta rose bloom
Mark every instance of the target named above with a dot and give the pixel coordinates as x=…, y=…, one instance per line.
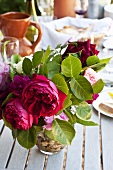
x=84, y=47
x=18, y=84
x=16, y=115
x=42, y=98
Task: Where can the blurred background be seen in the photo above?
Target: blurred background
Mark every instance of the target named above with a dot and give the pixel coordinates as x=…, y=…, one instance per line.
x=48, y=10
x=85, y=8
x=17, y=5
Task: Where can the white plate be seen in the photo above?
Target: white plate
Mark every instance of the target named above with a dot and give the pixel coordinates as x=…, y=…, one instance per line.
x=106, y=77
x=108, y=43
x=103, y=97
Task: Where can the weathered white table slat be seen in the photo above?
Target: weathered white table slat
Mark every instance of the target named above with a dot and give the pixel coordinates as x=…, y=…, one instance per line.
x=92, y=146
x=91, y=149
x=107, y=142
x=74, y=152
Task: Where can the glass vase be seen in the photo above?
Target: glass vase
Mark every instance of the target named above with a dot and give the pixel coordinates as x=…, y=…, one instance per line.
x=47, y=145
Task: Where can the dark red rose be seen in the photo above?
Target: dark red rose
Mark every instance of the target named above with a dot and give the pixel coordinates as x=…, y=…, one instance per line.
x=16, y=115
x=85, y=47
x=18, y=84
x=42, y=98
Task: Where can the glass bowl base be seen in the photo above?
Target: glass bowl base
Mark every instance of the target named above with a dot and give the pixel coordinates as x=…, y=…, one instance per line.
x=48, y=153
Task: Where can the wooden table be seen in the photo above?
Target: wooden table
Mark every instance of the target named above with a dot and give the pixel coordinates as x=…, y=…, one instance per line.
x=92, y=149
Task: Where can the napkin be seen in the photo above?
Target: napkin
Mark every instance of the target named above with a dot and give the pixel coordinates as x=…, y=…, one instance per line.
x=51, y=37
x=104, y=26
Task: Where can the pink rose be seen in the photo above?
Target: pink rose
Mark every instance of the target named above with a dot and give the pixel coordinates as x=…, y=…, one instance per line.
x=50, y=119
x=17, y=116
x=62, y=116
x=42, y=98
x=91, y=75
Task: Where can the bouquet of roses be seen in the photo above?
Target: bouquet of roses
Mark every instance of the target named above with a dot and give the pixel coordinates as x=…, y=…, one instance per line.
x=50, y=92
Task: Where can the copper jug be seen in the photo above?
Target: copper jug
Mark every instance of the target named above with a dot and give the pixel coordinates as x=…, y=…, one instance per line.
x=15, y=24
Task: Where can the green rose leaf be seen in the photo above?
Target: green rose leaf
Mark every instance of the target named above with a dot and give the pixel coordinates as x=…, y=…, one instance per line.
x=49, y=133
x=39, y=128
x=15, y=133
x=12, y=72
x=86, y=122
x=46, y=54
x=63, y=131
x=71, y=66
x=81, y=88
x=37, y=57
x=43, y=70
x=105, y=60
x=53, y=68
x=27, y=138
x=27, y=66
x=60, y=83
x=7, y=123
x=75, y=100
x=83, y=111
x=98, y=86
x=92, y=60
x=57, y=59
x=15, y=58
x=98, y=66
x=71, y=117
x=67, y=101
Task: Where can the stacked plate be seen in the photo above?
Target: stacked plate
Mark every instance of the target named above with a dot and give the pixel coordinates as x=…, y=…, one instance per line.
x=108, y=11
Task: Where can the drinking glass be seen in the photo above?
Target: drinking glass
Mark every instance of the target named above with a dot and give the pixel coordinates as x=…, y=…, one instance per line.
x=45, y=7
x=81, y=8
x=8, y=47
